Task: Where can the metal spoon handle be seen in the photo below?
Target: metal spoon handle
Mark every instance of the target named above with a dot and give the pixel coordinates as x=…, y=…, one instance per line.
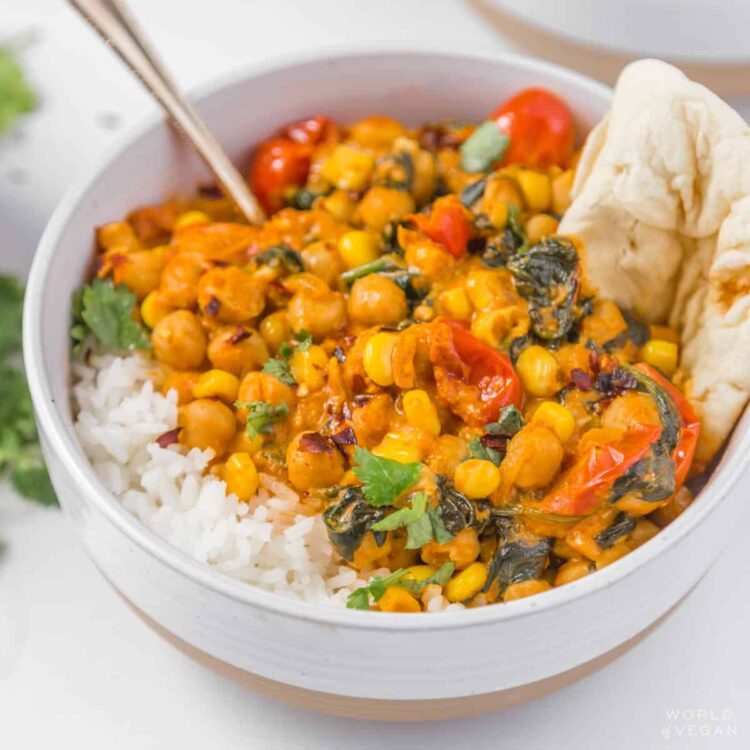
x=116, y=25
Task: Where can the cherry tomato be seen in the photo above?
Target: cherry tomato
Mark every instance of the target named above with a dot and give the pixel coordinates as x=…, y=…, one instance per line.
x=475, y=380
x=447, y=224
x=540, y=127
x=688, y=439
x=311, y=130
x=277, y=165
x=588, y=481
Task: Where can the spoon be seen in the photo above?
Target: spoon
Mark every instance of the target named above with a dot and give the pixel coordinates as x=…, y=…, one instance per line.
x=114, y=22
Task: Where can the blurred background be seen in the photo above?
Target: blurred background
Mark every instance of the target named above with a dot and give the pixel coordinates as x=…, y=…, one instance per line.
x=69, y=649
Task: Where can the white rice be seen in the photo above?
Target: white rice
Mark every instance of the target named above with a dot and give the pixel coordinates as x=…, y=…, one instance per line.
x=271, y=541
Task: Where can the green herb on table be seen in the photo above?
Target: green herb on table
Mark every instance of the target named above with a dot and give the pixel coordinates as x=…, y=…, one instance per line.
x=16, y=97
x=106, y=311
x=20, y=457
x=383, y=479
x=261, y=416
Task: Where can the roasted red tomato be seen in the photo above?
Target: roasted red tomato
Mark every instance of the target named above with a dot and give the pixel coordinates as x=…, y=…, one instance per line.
x=277, y=165
x=540, y=127
x=602, y=458
x=475, y=380
x=689, y=431
x=447, y=224
x=312, y=130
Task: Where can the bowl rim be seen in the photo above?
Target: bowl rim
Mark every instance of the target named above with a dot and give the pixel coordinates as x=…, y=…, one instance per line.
x=81, y=471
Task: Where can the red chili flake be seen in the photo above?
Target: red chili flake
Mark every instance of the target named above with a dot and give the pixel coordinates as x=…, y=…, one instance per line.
x=581, y=380
x=168, y=438
x=361, y=398
x=314, y=442
x=345, y=437
x=239, y=335
x=595, y=361
x=498, y=442
x=279, y=287
x=210, y=191
x=212, y=308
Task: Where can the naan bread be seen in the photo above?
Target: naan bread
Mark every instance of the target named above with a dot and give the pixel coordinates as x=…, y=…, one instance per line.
x=661, y=201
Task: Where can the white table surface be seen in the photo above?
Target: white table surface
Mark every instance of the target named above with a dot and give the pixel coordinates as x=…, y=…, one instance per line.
x=77, y=669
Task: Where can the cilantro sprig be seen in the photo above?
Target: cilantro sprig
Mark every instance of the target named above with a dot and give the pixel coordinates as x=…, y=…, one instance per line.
x=20, y=456
x=106, y=311
x=383, y=479
x=422, y=522
x=279, y=367
x=261, y=416
x=16, y=96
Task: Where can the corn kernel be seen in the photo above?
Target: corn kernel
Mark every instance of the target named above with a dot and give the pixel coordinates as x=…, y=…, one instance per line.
x=466, y=584
x=241, y=476
x=664, y=333
x=398, y=599
x=499, y=214
x=477, y=478
x=308, y=367
x=419, y=572
x=348, y=168
x=611, y=555
x=274, y=329
x=421, y=412
x=398, y=449
x=536, y=188
x=381, y=204
x=155, y=307
x=661, y=354
x=557, y=417
x=191, y=218
x=523, y=589
x=378, y=358
x=358, y=247
x=494, y=326
x=455, y=303
x=217, y=384
x=243, y=443
x=539, y=226
x=572, y=571
x=537, y=369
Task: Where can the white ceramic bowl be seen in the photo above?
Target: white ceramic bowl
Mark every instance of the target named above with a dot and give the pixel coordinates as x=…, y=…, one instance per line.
x=371, y=664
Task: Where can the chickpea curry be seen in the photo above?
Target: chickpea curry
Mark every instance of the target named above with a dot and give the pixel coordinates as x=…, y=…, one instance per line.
x=410, y=345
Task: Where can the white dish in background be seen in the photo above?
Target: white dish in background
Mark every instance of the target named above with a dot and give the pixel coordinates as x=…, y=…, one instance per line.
x=340, y=660
x=705, y=31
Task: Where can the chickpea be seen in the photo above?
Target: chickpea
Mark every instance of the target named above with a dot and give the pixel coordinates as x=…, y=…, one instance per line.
x=572, y=571
x=429, y=257
x=182, y=383
x=230, y=295
x=376, y=300
x=534, y=456
x=381, y=205
x=139, y=270
x=260, y=386
x=179, y=281
x=237, y=349
x=207, y=423
x=376, y=131
x=118, y=235
x=446, y=455
x=179, y=341
x=319, y=314
x=323, y=260
x=462, y=550
x=372, y=419
x=310, y=470
x=630, y=410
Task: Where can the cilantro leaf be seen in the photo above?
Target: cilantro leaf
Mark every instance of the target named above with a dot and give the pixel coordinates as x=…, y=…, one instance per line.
x=279, y=369
x=261, y=416
x=509, y=422
x=11, y=311
x=107, y=311
x=483, y=147
x=419, y=532
x=439, y=578
x=422, y=522
x=439, y=533
x=304, y=340
x=477, y=450
x=16, y=97
x=360, y=598
x=281, y=255
x=383, y=479
x=404, y=516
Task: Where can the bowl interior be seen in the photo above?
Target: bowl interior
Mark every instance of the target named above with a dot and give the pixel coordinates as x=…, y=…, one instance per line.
x=152, y=164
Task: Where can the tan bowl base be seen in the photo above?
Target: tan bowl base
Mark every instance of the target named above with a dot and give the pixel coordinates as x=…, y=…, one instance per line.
x=396, y=710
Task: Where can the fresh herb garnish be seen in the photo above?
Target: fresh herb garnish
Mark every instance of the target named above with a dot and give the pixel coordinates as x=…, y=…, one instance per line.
x=439, y=578
x=261, y=416
x=279, y=367
x=509, y=422
x=16, y=97
x=20, y=457
x=282, y=255
x=383, y=479
x=483, y=148
x=107, y=311
x=380, y=265
x=477, y=450
x=360, y=598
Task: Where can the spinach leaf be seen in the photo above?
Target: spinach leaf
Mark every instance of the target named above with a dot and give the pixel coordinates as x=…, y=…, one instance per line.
x=483, y=148
x=517, y=561
x=473, y=192
x=457, y=511
x=349, y=519
x=282, y=255
x=621, y=526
